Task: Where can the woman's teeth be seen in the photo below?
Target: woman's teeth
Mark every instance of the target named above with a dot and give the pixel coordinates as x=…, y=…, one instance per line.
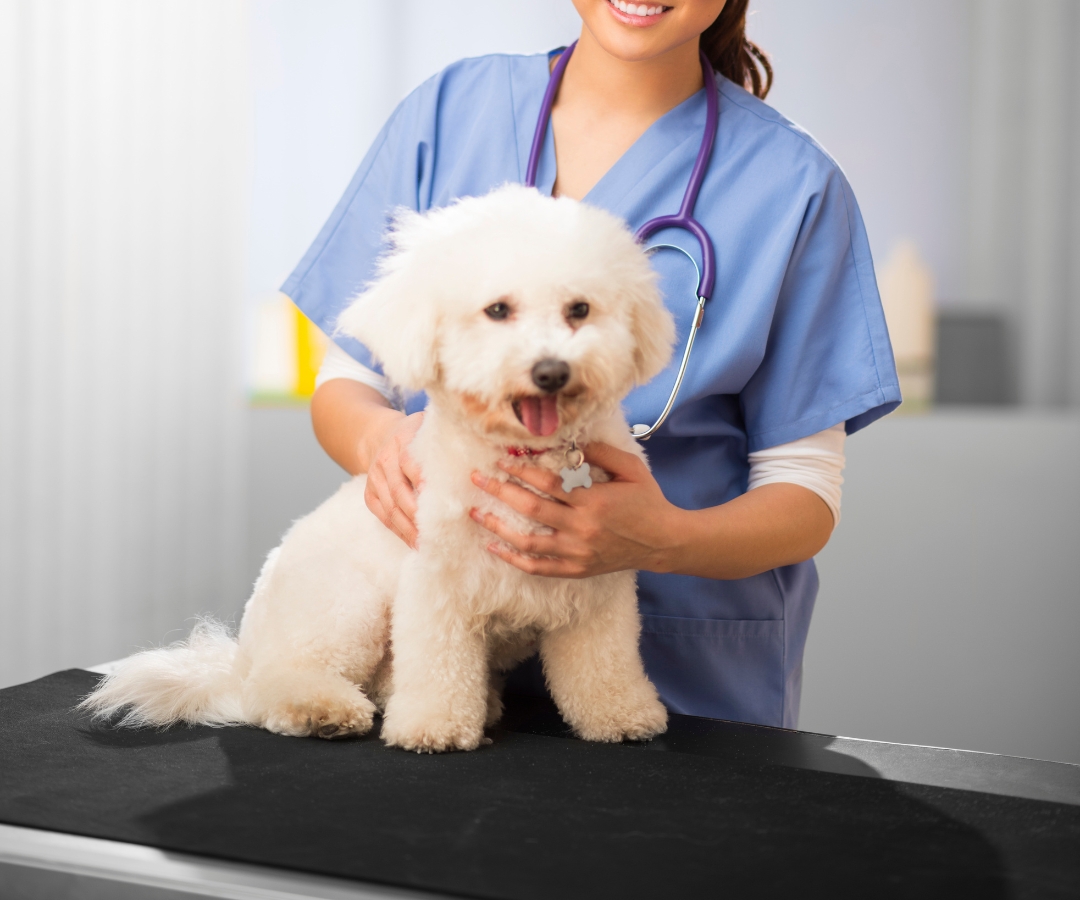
x=636, y=9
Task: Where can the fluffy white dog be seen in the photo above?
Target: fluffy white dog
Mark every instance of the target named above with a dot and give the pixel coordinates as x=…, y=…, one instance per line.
x=526, y=320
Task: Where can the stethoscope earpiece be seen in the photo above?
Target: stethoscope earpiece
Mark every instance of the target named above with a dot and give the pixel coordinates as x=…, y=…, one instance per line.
x=640, y=431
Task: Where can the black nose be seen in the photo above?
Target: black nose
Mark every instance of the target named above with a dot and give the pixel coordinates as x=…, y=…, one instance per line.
x=550, y=374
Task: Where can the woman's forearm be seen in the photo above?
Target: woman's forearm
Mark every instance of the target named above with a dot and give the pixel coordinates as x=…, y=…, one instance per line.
x=351, y=422
x=773, y=525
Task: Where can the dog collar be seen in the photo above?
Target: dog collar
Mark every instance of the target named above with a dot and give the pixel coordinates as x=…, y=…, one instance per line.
x=576, y=472
x=527, y=451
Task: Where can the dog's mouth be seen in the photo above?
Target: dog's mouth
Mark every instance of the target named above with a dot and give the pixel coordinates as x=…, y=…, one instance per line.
x=540, y=415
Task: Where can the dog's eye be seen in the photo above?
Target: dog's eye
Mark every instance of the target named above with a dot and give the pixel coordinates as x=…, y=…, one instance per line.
x=498, y=310
x=578, y=310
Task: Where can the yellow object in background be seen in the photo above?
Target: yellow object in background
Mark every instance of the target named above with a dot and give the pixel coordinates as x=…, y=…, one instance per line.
x=287, y=355
x=310, y=348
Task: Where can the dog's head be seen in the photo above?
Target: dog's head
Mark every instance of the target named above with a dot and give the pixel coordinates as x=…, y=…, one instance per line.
x=531, y=315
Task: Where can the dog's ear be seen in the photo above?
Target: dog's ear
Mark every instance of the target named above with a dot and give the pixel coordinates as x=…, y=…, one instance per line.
x=654, y=333
x=395, y=316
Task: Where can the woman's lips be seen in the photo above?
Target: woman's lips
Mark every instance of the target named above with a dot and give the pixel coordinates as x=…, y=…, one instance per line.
x=637, y=14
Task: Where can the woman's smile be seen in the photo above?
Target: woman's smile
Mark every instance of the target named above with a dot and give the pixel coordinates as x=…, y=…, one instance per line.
x=639, y=14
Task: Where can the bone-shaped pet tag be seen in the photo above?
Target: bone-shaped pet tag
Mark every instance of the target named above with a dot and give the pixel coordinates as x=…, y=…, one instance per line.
x=579, y=477
x=576, y=471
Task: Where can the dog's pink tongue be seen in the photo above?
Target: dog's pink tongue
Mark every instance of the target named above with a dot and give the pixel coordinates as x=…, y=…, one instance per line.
x=540, y=415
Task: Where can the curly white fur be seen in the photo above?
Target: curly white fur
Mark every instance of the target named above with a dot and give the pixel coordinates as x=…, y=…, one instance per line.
x=345, y=619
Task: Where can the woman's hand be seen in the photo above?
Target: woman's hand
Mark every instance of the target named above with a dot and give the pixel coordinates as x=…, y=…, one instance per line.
x=625, y=523
x=394, y=479
x=361, y=432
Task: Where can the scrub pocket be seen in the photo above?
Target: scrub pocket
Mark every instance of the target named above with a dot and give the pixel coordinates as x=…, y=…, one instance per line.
x=720, y=668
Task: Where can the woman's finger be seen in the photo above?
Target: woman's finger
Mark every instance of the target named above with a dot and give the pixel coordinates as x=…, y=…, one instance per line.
x=411, y=471
x=392, y=483
x=378, y=487
x=533, y=544
x=541, y=479
x=371, y=498
x=403, y=527
x=397, y=522
x=538, y=565
x=522, y=500
x=401, y=492
x=381, y=502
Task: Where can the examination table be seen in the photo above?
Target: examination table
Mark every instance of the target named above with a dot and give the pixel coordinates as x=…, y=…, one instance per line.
x=710, y=809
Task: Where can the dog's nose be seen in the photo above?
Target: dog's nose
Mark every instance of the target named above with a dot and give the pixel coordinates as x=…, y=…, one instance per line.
x=550, y=375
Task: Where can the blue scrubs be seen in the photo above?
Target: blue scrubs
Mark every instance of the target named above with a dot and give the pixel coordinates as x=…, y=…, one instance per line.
x=793, y=341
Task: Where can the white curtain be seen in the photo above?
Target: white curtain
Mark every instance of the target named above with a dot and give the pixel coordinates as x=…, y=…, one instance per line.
x=123, y=166
x=1024, y=251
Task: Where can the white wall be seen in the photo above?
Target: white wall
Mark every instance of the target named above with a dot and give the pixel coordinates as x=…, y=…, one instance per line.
x=949, y=610
x=884, y=87
x=1024, y=186
x=123, y=163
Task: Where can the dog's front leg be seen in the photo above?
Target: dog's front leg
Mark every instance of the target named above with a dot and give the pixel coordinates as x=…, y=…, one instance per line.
x=594, y=669
x=439, y=687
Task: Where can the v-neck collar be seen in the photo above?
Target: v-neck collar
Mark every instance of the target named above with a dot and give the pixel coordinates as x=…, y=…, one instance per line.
x=617, y=187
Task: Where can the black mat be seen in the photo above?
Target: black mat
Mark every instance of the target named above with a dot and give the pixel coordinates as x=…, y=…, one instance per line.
x=533, y=815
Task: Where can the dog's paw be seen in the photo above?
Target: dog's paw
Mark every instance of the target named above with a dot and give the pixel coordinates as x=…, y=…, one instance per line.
x=639, y=722
x=328, y=718
x=433, y=736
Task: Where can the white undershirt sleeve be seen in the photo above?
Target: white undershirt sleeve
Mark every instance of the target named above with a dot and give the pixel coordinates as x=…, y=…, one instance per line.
x=816, y=462
x=338, y=364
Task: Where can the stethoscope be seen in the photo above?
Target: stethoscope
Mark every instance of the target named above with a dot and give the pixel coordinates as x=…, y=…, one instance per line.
x=683, y=219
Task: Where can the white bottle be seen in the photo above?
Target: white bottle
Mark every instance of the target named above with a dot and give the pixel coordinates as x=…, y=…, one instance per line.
x=907, y=294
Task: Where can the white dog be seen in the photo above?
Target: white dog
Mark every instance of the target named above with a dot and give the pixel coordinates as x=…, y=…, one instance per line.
x=526, y=320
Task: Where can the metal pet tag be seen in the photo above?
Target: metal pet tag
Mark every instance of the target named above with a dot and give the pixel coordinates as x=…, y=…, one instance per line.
x=575, y=474
x=572, y=478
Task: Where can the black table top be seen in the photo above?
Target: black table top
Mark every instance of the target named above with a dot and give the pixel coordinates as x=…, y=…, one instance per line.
x=710, y=808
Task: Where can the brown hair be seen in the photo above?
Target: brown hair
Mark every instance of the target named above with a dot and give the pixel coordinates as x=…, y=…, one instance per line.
x=732, y=55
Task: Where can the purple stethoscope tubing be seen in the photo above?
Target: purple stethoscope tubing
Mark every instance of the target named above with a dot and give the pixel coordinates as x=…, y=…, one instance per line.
x=683, y=219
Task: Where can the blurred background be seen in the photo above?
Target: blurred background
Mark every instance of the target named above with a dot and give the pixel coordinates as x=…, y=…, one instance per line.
x=165, y=163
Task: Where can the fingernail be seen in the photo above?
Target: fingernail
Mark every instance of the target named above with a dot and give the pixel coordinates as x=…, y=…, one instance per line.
x=474, y=514
x=479, y=480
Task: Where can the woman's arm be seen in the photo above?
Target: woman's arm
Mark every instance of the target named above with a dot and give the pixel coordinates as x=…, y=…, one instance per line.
x=627, y=523
x=356, y=426
x=773, y=525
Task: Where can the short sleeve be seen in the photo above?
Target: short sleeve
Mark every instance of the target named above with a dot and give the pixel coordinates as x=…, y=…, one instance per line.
x=828, y=358
x=393, y=174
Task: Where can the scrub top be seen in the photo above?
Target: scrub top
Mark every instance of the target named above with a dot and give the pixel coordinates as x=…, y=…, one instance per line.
x=793, y=340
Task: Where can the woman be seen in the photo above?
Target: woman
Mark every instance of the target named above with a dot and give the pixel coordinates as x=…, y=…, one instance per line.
x=792, y=354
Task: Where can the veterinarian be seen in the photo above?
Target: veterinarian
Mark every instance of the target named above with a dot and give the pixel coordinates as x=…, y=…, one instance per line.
x=792, y=355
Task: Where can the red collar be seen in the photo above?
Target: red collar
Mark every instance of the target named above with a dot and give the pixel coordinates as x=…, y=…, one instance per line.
x=526, y=451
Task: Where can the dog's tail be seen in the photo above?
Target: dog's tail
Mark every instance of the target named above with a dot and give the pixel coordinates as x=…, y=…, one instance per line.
x=191, y=681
